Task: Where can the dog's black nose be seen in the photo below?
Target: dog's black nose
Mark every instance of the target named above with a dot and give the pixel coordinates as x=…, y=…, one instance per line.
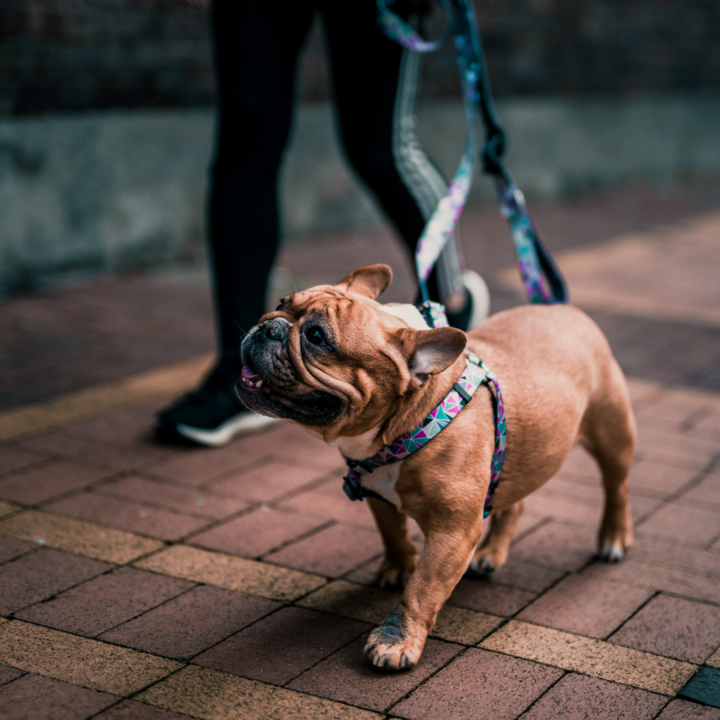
x=277, y=329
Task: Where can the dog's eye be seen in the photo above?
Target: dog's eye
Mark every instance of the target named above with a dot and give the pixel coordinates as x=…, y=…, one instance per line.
x=315, y=335
x=280, y=305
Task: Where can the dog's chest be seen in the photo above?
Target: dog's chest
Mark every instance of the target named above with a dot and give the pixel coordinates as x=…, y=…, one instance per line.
x=381, y=480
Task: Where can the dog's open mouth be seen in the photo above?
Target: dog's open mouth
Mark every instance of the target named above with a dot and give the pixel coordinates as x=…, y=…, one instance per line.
x=316, y=404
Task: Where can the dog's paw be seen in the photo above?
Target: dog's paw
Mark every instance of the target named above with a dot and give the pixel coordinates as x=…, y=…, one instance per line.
x=482, y=566
x=615, y=538
x=393, y=574
x=612, y=551
x=391, y=645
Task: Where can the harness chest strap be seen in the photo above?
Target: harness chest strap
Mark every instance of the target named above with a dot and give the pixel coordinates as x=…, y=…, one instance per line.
x=474, y=375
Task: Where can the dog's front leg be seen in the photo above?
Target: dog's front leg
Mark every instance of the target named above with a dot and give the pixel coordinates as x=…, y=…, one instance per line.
x=400, y=552
x=398, y=642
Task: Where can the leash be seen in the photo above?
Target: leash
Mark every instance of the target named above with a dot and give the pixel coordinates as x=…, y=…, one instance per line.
x=542, y=279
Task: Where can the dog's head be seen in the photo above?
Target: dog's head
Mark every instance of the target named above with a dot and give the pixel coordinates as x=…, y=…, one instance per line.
x=333, y=359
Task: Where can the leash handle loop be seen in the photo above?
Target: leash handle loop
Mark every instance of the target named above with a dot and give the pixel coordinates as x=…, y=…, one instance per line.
x=403, y=33
x=541, y=277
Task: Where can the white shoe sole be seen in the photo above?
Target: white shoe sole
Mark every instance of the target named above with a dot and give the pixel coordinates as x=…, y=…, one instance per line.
x=242, y=424
x=480, y=295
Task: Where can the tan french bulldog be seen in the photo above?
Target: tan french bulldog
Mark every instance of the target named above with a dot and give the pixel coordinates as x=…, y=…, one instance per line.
x=361, y=374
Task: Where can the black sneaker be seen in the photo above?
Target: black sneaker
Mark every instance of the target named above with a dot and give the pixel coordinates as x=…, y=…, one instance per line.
x=212, y=415
x=477, y=305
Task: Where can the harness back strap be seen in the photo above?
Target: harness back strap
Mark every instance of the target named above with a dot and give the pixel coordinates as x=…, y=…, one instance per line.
x=474, y=375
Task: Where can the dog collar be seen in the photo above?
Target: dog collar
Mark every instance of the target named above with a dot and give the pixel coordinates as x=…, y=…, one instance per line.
x=474, y=375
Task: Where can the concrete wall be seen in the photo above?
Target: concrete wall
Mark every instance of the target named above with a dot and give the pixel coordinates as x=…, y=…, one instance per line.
x=123, y=190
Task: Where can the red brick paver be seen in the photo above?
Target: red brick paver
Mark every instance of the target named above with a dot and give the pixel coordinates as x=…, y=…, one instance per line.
x=131, y=710
x=686, y=524
x=192, y=622
x=256, y=533
x=585, y=605
x=268, y=481
x=171, y=497
x=14, y=458
x=8, y=673
x=40, y=575
x=282, y=646
x=348, y=677
x=48, y=481
x=332, y=552
x=42, y=698
x=673, y=627
x=10, y=549
x=576, y=696
x=486, y=596
x=479, y=685
x=683, y=710
x=561, y=546
x=214, y=624
x=131, y=516
x=99, y=604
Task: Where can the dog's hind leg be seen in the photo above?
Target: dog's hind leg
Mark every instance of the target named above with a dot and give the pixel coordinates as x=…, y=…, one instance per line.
x=493, y=552
x=608, y=434
x=400, y=553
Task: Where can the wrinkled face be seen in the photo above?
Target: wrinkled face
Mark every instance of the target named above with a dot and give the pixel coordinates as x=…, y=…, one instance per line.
x=313, y=359
x=331, y=358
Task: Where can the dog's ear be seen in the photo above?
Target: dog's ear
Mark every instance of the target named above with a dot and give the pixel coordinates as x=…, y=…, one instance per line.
x=431, y=351
x=370, y=281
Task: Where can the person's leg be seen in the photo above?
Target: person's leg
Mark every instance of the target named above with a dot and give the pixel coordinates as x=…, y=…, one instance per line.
x=256, y=45
x=375, y=83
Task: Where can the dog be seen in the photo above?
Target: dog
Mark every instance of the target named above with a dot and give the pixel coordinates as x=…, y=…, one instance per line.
x=360, y=374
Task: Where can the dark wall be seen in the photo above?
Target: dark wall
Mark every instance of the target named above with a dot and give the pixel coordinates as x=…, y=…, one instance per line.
x=58, y=55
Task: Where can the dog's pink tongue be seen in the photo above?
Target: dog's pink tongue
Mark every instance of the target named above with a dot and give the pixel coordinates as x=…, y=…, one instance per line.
x=248, y=374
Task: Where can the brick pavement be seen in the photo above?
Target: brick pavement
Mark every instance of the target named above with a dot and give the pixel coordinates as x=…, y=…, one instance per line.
x=147, y=581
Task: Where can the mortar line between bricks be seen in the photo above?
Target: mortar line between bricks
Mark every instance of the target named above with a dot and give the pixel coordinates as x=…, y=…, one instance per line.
x=328, y=580
x=712, y=463
x=252, y=680
x=461, y=652
x=586, y=637
x=712, y=542
x=12, y=615
x=182, y=663
x=157, y=506
x=282, y=497
x=25, y=469
x=661, y=710
x=521, y=536
x=32, y=550
x=323, y=479
x=239, y=470
x=297, y=539
x=100, y=482
x=214, y=524
x=321, y=660
x=630, y=617
x=698, y=414
x=104, y=526
x=122, y=392
x=564, y=673
x=140, y=614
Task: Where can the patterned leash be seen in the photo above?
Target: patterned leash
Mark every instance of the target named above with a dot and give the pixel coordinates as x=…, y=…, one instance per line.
x=534, y=260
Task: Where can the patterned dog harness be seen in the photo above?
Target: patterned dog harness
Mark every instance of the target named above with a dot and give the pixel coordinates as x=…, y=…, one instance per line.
x=476, y=373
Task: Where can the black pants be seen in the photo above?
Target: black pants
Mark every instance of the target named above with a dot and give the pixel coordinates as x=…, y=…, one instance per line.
x=257, y=43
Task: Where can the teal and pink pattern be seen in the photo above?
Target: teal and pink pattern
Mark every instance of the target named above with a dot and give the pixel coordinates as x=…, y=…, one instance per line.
x=474, y=375
x=397, y=29
x=534, y=260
